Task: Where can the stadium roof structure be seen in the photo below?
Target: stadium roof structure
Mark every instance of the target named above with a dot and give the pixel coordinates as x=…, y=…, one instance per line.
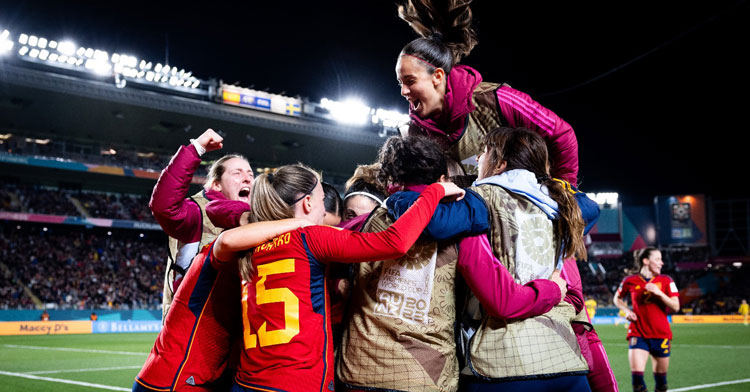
x=45, y=104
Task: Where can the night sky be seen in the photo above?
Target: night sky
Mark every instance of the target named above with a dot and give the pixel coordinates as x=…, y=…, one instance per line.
x=656, y=91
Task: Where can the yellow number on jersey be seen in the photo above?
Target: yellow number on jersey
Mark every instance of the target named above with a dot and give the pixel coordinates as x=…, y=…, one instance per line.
x=267, y=296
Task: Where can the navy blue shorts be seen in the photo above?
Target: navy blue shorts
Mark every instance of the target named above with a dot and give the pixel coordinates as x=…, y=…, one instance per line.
x=557, y=384
x=659, y=348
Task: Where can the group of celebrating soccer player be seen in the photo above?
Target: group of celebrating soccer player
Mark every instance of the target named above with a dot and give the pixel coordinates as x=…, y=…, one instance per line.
x=436, y=288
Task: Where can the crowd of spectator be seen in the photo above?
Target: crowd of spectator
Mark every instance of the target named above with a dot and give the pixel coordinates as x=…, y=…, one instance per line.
x=93, y=153
x=51, y=201
x=81, y=268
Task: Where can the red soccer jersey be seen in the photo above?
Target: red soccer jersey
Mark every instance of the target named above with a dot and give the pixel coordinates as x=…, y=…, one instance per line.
x=192, y=349
x=652, y=320
x=285, y=306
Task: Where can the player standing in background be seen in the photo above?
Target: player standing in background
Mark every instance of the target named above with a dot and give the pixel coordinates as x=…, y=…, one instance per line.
x=183, y=219
x=590, y=308
x=649, y=333
x=743, y=310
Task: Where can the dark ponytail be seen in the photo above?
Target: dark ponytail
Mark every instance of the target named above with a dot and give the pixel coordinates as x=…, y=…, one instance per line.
x=521, y=148
x=445, y=30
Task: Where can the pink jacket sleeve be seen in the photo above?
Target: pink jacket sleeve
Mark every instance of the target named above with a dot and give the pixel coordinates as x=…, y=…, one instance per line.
x=495, y=288
x=179, y=217
x=225, y=213
x=601, y=377
x=575, y=286
x=521, y=111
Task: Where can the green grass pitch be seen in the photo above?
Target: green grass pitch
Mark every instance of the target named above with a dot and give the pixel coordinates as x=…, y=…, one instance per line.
x=701, y=354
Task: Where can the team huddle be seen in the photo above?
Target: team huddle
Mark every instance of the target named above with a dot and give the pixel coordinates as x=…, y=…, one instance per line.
x=425, y=285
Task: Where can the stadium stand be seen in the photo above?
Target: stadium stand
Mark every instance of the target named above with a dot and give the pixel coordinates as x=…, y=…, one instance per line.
x=70, y=268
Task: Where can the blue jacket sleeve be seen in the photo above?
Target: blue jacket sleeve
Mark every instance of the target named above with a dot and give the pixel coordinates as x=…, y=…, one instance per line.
x=468, y=216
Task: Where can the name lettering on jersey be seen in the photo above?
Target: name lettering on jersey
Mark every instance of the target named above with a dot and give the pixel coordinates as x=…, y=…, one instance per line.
x=274, y=243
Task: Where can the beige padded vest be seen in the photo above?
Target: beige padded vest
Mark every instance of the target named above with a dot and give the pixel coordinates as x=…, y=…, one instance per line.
x=182, y=251
x=400, y=335
x=536, y=347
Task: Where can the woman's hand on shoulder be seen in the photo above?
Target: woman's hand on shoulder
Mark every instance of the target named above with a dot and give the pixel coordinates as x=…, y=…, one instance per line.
x=560, y=283
x=452, y=190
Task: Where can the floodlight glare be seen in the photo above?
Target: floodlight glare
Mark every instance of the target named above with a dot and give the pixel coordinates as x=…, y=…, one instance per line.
x=63, y=58
x=75, y=61
x=119, y=68
x=4, y=34
x=23, y=50
x=100, y=55
x=68, y=48
x=42, y=43
x=165, y=70
x=43, y=54
x=53, y=57
x=34, y=53
x=158, y=67
x=351, y=111
x=80, y=52
x=33, y=40
x=89, y=53
x=115, y=58
x=150, y=76
x=23, y=39
x=53, y=44
x=5, y=45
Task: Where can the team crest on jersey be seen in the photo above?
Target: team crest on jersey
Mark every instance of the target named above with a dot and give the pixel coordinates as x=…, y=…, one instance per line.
x=190, y=381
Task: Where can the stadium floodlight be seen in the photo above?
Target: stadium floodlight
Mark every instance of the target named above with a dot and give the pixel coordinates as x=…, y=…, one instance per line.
x=119, y=68
x=42, y=44
x=76, y=61
x=67, y=48
x=391, y=118
x=63, y=58
x=43, y=54
x=6, y=45
x=100, y=55
x=33, y=40
x=34, y=53
x=350, y=111
x=53, y=56
x=165, y=70
x=150, y=76
x=89, y=53
x=23, y=39
x=115, y=58
x=158, y=67
x=23, y=50
x=604, y=198
x=140, y=74
x=53, y=44
x=196, y=83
